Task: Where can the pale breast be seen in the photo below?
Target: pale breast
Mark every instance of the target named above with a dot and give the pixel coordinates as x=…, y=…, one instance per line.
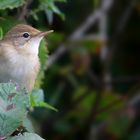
x=19, y=69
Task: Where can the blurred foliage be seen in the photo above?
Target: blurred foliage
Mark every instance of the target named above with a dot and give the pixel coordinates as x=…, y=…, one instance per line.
x=70, y=83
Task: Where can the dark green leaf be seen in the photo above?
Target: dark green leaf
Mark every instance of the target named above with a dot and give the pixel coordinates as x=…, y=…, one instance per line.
x=11, y=4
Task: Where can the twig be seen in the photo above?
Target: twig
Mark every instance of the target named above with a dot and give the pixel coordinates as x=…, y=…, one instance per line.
x=124, y=79
x=78, y=33
x=110, y=48
x=119, y=29
x=61, y=50
x=86, y=25
x=24, y=10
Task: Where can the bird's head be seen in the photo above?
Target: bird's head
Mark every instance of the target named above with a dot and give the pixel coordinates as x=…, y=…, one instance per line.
x=25, y=39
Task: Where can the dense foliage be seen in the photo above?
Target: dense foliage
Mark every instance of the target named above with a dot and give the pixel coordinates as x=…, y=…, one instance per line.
x=92, y=73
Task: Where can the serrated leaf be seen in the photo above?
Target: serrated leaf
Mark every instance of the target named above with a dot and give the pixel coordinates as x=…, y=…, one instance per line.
x=26, y=136
x=11, y=4
x=43, y=55
x=13, y=104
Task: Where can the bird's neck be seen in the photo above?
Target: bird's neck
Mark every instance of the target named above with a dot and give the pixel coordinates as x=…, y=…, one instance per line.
x=18, y=56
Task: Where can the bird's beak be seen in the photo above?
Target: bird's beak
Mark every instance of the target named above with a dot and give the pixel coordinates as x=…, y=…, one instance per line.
x=42, y=34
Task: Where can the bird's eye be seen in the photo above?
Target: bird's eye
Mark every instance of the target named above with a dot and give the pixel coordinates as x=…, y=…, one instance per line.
x=26, y=35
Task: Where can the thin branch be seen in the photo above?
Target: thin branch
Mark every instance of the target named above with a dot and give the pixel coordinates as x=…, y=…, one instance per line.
x=78, y=33
x=91, y=19
x=24, y=11
x=119, y=29
x=54, y=57
x=108, y=51
x=124, y=79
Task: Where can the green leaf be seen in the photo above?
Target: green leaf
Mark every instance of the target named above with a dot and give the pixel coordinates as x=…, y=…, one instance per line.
x=49, y=15
x=37, y=100
x=28, y=125
x=46, y=105
x=26, y=136
x=55, y=9
x=7, y=23
x=1, y=33
x=49, y=7
x=13, y=104
x=11, y=4
x=34, y=14
x=43, y=55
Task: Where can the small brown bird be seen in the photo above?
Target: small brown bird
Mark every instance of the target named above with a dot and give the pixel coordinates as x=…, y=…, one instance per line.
x=19, y=60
